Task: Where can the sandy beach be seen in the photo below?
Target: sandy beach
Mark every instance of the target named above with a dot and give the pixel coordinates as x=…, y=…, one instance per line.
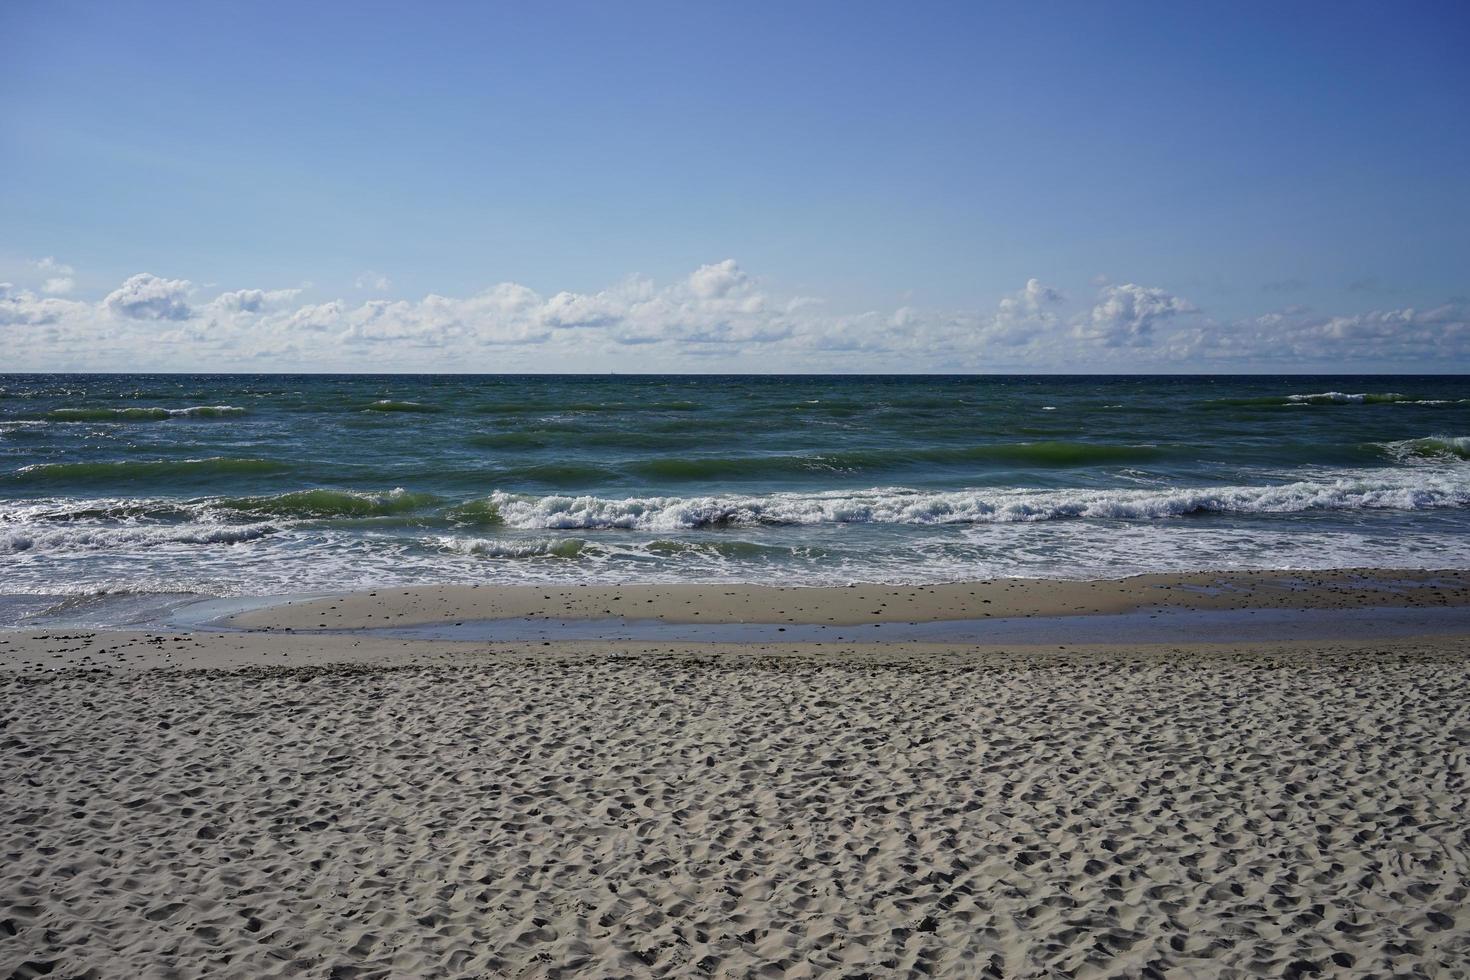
x=616, y=491
x=263, y=803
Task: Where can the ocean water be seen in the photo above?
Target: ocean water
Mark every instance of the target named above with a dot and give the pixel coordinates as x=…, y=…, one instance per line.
x=269, y=484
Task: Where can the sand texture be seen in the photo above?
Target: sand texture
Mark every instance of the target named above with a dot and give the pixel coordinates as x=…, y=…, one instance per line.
x=862, y=604
x=595, y=813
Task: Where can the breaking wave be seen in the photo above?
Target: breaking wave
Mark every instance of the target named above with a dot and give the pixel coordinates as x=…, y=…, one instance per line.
x=491, y=548
x=389, y=405
x=309, y=504
x=1343, y=398
x=142, y=414
x=1340, y=398
x=127, y=537
x=1431, y=447
x=1389, y=491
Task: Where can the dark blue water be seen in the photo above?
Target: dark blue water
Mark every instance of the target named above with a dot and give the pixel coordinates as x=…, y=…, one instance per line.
x=265, y=484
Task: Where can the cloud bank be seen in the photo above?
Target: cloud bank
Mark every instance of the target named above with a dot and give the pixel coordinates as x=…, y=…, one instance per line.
x=718, y=317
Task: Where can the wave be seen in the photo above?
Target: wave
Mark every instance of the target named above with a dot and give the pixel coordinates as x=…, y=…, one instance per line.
x=140, y=537
x=1430, y=447
x=725, y=548
x=1410, y=491
x=65, y=509
x=534, y=408
x=1340, y=398
x=23, y=429
x=1343, y=398
x=389, y=405
x=1046, y=454
x=515, y=440
x=659, y=548
x=124, y=471
x=555, y=474
x=309, y=504
x=491, y=548
x=542, y=437
x=142, y=414
x=474, y=512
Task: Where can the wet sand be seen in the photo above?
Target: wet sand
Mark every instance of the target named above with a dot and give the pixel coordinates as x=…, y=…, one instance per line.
x=262, y=804
x=866, y=604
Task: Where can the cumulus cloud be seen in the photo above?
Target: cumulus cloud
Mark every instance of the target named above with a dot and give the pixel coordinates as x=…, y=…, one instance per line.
x=374, y=281
x=147, y=297
x=1026, y=315
x=717, y=317
x=717, y=280
x=574, y=310
x=254, y=300
x=1439, y=334
x=1127, y=314
x=58, y=276
x=21, y=307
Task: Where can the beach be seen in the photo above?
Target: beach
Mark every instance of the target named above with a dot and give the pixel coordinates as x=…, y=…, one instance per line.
x=375, y=676
x=267, y=801
x=621, y=491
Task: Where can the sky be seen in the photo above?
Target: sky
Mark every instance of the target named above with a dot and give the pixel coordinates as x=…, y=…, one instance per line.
x=1125, y=186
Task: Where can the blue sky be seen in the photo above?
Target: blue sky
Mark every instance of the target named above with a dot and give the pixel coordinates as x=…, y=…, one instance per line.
x=1196, y=186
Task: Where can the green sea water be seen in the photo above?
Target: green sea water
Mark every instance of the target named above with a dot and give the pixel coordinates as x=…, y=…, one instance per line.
x=272, y=484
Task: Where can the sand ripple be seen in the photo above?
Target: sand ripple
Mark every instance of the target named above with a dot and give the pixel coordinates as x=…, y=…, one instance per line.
x=974, y=816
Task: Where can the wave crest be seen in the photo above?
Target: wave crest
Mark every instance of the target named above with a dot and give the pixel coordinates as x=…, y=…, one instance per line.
x=491, y=548
x=900, y=506
x=307, y=504
x=140, y=537
x=1430, y=447
x=389, y=405
x=1339, y=398
x=142, y=414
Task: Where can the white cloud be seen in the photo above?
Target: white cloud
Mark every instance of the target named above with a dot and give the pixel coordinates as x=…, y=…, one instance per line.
x=21, y=307
x=718, y=279
x=147, y=297
x=373, y=281
x=253, y=300
x=1127, y=314
x=58, y=277
x=581, y=310
x=1026, y=315
x=718, y=317
x=1437, y=336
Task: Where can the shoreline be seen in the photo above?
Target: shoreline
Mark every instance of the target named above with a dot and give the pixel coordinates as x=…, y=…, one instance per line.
x=431, y=611
x=861, y=603
x=1384, y=609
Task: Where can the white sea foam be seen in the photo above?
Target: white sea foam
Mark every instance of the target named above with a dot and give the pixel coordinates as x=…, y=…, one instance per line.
x=135, y=537
x=492, y=548
x=1390, y=490
x=1368, y=398
x=1344, y=398
x=880, y=534
x=1429, y=448
x=142, y=413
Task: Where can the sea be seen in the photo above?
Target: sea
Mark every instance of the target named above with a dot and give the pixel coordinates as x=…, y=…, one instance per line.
x=265, y=485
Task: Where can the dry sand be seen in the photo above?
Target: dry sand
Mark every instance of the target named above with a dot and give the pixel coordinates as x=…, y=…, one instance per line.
x=267, y=805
